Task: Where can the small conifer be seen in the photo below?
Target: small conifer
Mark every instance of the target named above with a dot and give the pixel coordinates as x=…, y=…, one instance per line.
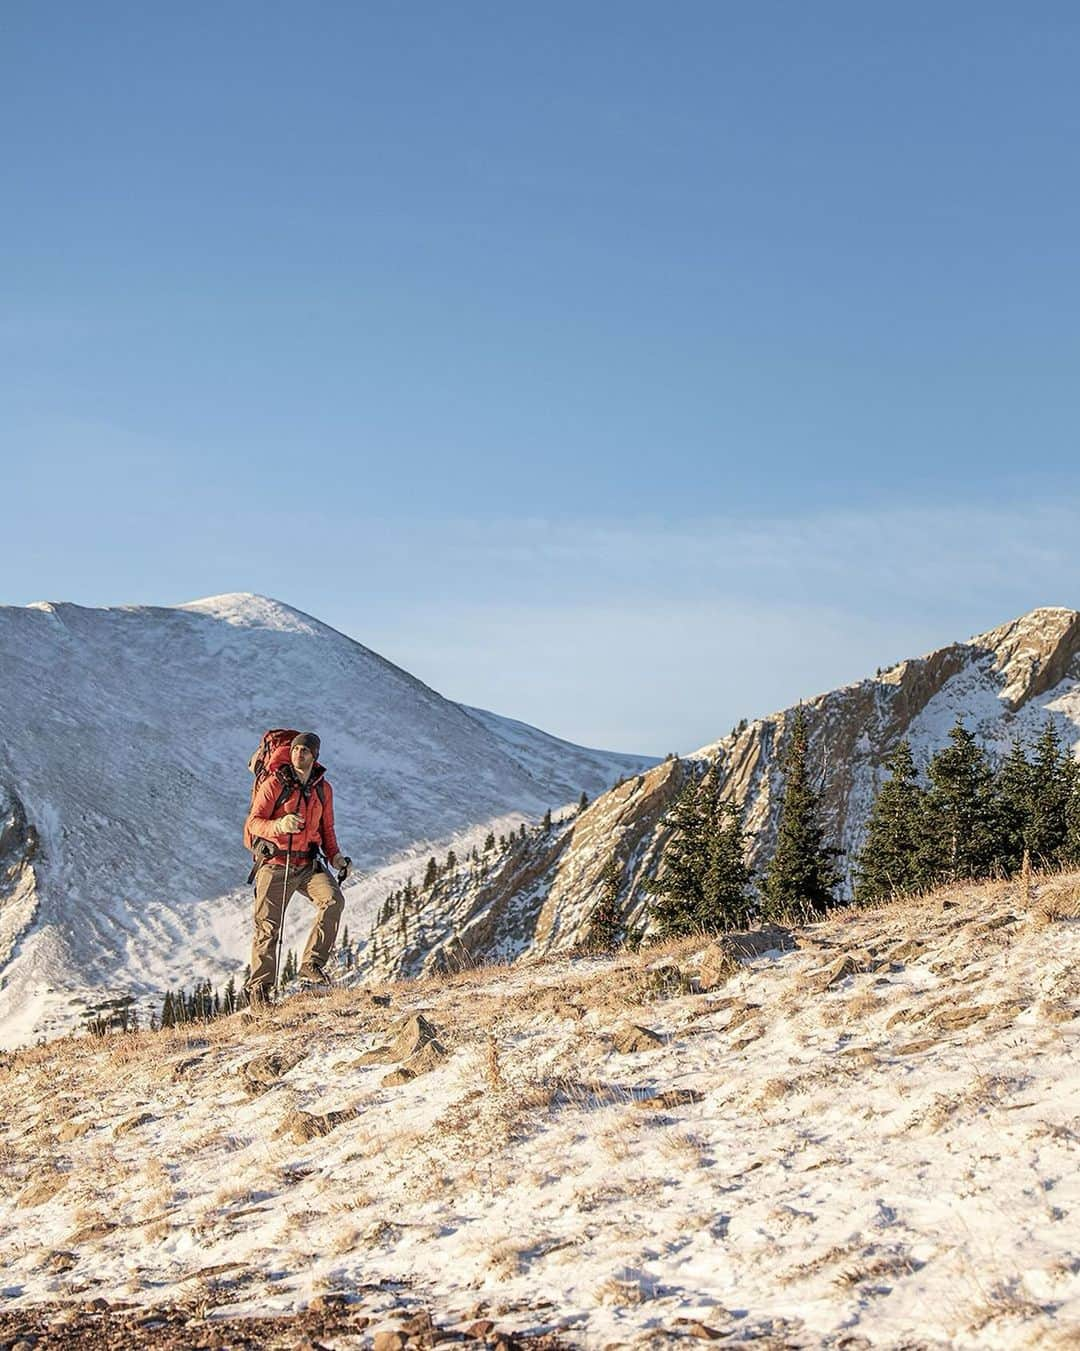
x=801, y=875
x=889, y=862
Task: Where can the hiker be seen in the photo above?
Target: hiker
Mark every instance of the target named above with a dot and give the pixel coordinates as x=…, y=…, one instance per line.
x=291, y=820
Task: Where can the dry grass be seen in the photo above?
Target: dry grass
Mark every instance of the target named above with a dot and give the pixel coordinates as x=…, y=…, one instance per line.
x=1005, y=1300
x=1057, y=899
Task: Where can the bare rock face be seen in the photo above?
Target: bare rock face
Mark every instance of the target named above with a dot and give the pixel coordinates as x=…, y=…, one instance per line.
x=18, y=880
x=539, y=896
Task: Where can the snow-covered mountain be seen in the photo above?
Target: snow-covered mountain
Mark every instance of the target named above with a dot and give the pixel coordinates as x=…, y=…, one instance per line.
x=536, y=897
x=124, y=740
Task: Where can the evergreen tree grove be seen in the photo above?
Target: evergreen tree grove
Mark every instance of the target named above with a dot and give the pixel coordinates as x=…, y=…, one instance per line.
x=960, y=821
x=1013, y=787
x=801, y=875
x=704, y=882
x=889, y=862
x=1052, y=780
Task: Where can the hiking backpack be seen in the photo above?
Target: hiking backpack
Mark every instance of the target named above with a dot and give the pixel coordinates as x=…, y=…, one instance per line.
x=272, y=757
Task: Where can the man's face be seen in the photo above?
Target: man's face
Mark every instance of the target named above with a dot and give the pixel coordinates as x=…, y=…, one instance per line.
x=302, y=760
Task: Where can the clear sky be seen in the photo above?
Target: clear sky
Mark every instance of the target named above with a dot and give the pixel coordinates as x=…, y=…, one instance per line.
x=623, y=367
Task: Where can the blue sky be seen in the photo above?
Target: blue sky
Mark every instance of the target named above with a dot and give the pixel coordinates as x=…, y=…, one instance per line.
x=627, y=368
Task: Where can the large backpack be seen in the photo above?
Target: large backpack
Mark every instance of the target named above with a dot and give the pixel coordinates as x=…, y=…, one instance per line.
x=271, y=758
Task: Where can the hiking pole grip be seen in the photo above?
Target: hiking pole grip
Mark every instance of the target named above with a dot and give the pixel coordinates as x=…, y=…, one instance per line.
x=343, y=871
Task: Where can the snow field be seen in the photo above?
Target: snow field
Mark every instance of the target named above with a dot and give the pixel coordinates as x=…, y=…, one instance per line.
x=888, y=1153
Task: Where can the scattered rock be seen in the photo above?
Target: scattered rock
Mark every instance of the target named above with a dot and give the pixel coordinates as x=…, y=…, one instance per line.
x=397, y=1077
x=89, y=1232
x=265, y=1070
x=72, y=1130
x=419, y=1323
x=717, y=963
x=670, y=1097
x=303, y=1126
x=952, y=1019
x=59, y=1261
x=412, y=1036
x=817, y=982
x=914, y=1047
x=481, y=1328
x=740, y=1013
x=328, y=1303
x=390, y=1339
x=693, y=1327
x=379, y=1055
x=42, y=1189
x=633, y=1038
x=906, y=951
x=132, y=1123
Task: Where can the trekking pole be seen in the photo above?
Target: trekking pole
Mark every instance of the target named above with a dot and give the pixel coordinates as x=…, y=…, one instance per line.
x=284, y=902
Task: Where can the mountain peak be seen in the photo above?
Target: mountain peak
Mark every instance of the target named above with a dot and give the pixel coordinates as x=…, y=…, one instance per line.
x=245, y=609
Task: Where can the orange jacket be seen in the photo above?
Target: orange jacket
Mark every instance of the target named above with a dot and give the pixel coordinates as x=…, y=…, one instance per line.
x=316, y=807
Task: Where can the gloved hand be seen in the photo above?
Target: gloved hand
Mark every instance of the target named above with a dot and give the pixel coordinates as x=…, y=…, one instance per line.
x=288, y=825
x=341, y=865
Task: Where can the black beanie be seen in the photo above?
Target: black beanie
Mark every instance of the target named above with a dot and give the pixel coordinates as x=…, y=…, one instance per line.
x=308, y=739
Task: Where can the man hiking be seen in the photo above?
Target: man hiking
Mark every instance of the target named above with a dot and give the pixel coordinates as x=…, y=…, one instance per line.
x=291, y=820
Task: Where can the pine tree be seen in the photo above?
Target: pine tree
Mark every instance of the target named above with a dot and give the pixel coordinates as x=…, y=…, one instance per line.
x=605, y=920
x=489, y=843
x=545, y=824
x=583, y=801
x=801, y=875
x=451, y=861
x=1012, y=796
x=431, y=875
x=1070, y=852
x=959, y=822
x=889, y=863
x=1051, y=788
x=704, y=882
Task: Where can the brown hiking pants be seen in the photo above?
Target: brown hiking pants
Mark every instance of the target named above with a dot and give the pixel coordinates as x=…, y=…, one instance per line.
x=322, y=890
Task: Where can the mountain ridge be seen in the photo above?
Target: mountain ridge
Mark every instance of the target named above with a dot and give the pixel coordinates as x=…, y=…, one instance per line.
x=537, y=899
x=125, y=734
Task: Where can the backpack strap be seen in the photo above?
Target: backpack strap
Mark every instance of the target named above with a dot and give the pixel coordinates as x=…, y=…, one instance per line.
x=285, y=778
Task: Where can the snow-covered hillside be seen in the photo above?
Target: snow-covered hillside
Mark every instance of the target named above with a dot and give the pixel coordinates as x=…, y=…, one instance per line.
x=124, y=740
x=859, y=1135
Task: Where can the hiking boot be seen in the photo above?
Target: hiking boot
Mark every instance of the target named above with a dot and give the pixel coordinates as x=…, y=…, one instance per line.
x=259, y=1000
x=313, y=981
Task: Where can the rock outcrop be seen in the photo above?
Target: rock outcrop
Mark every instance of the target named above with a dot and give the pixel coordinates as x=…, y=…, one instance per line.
x=538, y=896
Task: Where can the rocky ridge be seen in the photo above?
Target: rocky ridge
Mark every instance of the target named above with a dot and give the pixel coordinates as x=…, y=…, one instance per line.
x=536, y=898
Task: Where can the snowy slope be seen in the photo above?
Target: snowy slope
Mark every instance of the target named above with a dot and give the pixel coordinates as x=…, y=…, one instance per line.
x=864, y=1137
x=124, y=740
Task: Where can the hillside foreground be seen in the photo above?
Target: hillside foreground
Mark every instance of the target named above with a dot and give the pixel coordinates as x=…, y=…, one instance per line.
x=867, y=1134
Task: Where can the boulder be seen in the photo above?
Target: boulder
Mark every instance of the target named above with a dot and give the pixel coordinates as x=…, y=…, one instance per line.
x=303, y=1126
x=412, y=1035
x=716, y=964
x=633, y=1038
x=390, y=1339
x=817, y=982
x=265, y=1070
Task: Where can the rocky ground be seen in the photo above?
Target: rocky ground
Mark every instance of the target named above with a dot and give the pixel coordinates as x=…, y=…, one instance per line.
x=860, y=1134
